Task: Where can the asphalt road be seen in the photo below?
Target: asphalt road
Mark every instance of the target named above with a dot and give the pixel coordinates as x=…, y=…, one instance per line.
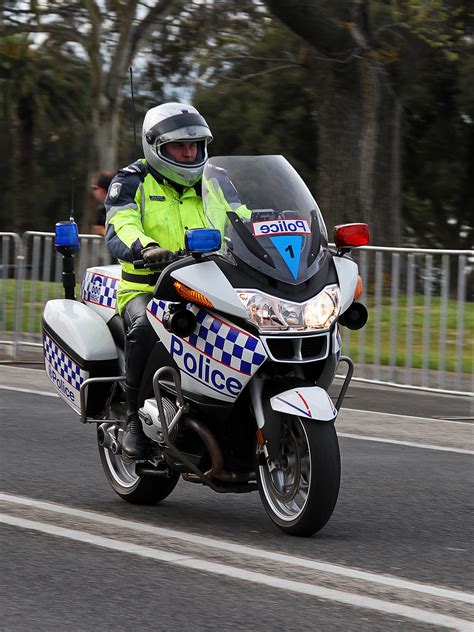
x=403, y=513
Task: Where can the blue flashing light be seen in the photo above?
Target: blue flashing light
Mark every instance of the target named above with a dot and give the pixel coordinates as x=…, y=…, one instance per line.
x=200, y=240
x=66, y=236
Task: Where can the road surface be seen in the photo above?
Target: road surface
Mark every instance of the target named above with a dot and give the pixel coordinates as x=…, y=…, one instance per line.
x=396, y=555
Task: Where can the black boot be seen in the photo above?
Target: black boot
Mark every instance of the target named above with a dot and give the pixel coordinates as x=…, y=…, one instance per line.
x=135, y=443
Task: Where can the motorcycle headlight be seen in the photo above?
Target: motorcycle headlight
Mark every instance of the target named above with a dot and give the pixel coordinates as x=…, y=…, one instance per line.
x=271, y=314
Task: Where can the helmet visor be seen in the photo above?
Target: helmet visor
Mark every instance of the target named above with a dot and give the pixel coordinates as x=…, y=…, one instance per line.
x=165, y=153
x=190, y=126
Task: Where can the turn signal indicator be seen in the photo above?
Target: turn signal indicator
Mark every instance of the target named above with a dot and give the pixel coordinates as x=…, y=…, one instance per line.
x=192, y=295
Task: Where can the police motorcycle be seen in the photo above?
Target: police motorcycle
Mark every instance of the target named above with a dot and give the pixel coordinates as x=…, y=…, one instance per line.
x=235, y=391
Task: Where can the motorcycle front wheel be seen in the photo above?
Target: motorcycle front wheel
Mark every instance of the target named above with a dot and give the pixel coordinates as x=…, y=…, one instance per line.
x=300, y=492
x=135, y=489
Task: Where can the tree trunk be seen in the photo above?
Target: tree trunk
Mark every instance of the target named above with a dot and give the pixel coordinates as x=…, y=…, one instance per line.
x=103, y=153
x=107, y=137
x=24, y=165
x=358, y=117
x=358, y=171
x=388, y=180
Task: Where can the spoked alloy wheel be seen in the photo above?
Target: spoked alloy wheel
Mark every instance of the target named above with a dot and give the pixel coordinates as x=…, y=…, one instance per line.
x=139, y=490
x=300, y=494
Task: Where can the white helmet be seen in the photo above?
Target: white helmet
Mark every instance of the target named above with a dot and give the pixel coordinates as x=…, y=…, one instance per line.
x=175, y=122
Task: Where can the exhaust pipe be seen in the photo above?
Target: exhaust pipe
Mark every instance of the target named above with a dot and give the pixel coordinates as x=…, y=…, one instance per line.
x=213, y=448
x=217, y=469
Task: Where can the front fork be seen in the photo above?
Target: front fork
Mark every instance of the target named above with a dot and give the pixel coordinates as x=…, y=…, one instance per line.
x=269, y=420
x=256, y=388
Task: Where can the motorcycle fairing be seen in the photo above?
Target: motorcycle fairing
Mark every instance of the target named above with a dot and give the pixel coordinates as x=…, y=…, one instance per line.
x=267, y=216
x=309, y=402
x=346, y=270
x=217, y=360
x=336, y=342
x=217, y=289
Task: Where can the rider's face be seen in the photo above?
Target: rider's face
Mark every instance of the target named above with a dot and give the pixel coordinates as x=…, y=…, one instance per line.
x=185, y=151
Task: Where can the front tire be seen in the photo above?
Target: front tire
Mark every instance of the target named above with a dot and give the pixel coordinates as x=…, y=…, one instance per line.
x=301, y=494
x=135, y=489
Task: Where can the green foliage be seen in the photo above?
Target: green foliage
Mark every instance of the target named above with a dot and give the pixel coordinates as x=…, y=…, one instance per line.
x=256, y=107
x=262, y=103
x=254, y=85
x=436, y=22
x=40, y=292
x=372, y=347
x=439, y=159
x=45, y=93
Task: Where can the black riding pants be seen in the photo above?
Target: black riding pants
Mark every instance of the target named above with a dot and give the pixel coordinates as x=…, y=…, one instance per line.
x=139, y=339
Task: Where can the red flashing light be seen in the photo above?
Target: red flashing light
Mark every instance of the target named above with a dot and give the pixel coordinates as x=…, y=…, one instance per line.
x=351, y=235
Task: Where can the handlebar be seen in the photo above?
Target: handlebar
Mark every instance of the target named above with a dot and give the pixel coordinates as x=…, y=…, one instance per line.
x=139, y=264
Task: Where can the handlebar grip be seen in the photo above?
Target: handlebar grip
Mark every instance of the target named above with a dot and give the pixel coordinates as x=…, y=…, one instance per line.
x=140, y=264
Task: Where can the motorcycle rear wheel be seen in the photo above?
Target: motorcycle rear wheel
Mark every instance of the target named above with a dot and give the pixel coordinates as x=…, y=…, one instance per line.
x=138, y=490
x=300, y=495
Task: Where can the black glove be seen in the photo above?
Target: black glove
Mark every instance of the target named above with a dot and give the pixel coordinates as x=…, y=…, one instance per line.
x=156, y=254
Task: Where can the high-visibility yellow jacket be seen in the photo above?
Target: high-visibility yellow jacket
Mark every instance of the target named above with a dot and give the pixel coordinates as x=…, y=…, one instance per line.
x=142, y=209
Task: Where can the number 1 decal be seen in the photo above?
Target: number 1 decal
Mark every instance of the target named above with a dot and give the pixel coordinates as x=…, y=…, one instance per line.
x=289, y=247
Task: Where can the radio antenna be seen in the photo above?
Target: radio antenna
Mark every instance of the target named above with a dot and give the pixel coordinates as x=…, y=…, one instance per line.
x=133, y=111
x=71, y=212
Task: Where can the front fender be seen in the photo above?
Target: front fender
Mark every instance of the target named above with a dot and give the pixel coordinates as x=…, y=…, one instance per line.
x=309, y=402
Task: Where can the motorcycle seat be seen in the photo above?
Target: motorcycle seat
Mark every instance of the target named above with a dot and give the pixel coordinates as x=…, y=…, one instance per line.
x=117, y=329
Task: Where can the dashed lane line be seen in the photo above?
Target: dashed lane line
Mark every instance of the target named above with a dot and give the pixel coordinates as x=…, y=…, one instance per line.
x=409, y=444
x=359, y=601
x=241, y=549
x=27, y=390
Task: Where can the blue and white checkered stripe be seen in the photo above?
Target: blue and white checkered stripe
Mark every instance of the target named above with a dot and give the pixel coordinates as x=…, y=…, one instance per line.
x=220, y=341
x=231, y=346
x=158, y=308
x=99, y=289
x=62, y=364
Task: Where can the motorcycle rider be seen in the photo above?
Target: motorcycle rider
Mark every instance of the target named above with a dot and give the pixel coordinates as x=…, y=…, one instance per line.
x=150, y=204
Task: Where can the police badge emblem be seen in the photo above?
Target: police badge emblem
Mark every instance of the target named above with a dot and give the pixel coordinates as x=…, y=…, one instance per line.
x=114, y=190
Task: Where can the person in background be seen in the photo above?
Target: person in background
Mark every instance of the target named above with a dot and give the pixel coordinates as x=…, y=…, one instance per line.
x=150, y=204
x=100, y=185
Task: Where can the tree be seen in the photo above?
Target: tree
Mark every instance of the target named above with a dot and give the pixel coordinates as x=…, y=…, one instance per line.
x=40, y=87
x=260, y=101
x=110, y=36
x=439, y=160
x=360, y=52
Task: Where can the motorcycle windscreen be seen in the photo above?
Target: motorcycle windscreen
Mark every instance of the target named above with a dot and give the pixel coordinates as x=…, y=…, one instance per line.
x=266, y=215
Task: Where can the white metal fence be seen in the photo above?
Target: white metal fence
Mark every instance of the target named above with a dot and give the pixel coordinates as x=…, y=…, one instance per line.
x=420, y=332
x=30, y=275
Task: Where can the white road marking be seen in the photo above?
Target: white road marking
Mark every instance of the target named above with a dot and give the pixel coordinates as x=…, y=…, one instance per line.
x=214, y=543
x=355, y=410
x=410, y=444
x=331, y=594
x=27, y=390
x=405, y=417
x=340, y=434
